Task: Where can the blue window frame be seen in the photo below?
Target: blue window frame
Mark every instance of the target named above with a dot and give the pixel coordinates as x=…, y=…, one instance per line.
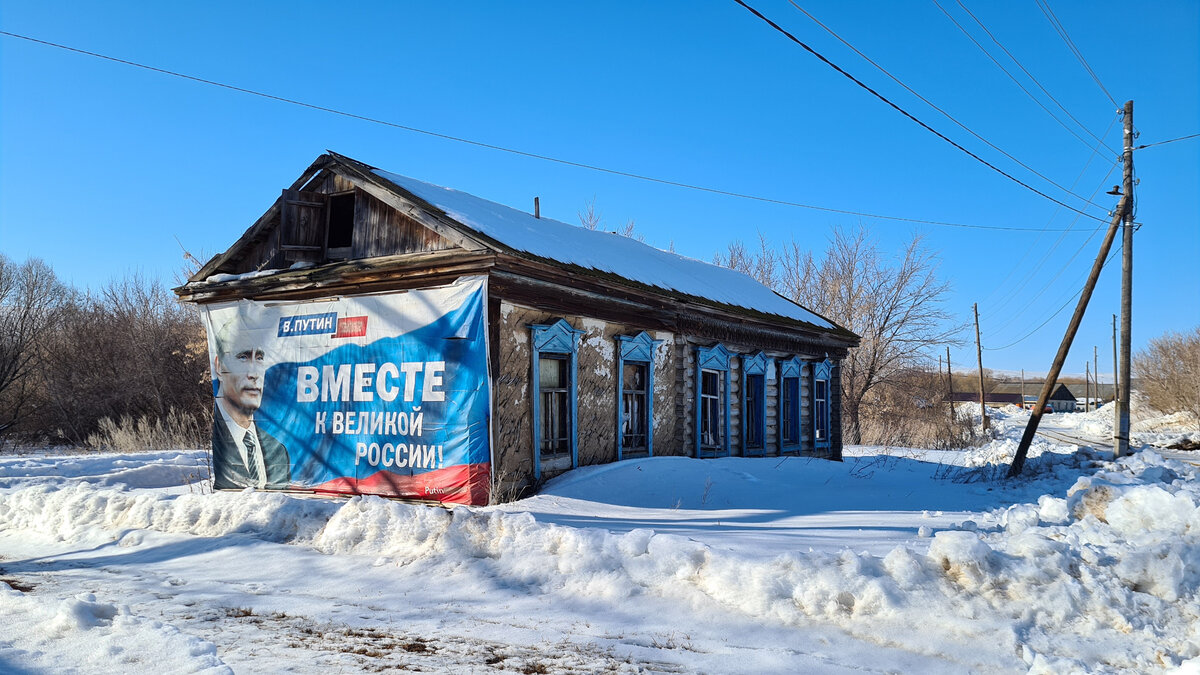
x=790, y=372
x=635, y=393
x=821, y=400
x=555, y=397
x=712, y=414
x=754, y=403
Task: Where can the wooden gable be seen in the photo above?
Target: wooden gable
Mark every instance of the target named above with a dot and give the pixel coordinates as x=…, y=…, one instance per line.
x=333, y=219
x=333, y=214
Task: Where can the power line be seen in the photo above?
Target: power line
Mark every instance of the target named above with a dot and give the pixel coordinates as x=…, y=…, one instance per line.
x=1056, y=312
x=1181, y=138
x=1016, y=81
x=1049, y=283
x=532, y=155
x=1026, y=71
x=935, y=107
x=1031, y=273
x=904, y=112
x=1062, y=32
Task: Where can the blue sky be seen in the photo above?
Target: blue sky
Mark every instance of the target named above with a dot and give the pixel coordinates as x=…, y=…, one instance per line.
x=103, y=166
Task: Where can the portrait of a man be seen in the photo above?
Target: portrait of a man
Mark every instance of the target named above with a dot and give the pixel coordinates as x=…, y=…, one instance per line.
x=243, y=454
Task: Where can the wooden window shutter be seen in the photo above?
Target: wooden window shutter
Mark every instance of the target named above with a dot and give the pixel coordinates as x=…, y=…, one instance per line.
x=302, y=225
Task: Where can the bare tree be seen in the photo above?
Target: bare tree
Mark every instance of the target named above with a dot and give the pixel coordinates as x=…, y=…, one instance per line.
x=69, y=360
x=592, y=219
x=628, y=230
x=763, y=265
x=31, y=298
x=797, y=270
x=911, y=410
x=589, y=217
x=1169, y=371
x=150, y=320
x=130, y=351
x=894, y=304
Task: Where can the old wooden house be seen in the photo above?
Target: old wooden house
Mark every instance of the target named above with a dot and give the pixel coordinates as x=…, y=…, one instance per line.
x=599, y=347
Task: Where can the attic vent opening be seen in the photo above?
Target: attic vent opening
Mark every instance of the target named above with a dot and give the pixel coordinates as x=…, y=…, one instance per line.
x=341, y=221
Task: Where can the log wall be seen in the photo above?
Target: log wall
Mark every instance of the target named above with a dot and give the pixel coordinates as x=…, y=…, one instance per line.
x=596, y=387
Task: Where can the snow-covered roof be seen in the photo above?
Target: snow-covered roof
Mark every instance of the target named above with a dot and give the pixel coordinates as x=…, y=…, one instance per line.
x=605, y=252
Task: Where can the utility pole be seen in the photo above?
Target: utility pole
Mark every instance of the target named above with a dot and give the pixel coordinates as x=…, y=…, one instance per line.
x=1035, y=416
x=1096, y=376
x=1022, y=387
x=950, y=383
x=979, y=355
x=1123, y=212
x=1122, y=447
x=1116, y=387
x=1087, y=385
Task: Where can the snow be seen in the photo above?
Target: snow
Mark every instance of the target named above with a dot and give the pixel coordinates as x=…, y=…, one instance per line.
x=219, y=278
x=605, y=252
x=94, y=636
x=903, y=560
x=1147, y=426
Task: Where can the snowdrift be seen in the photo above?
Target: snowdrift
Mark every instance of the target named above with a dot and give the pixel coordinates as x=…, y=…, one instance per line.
x=1102, y=578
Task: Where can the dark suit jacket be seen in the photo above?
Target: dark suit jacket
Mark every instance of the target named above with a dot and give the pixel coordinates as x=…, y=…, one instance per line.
x=229, y=471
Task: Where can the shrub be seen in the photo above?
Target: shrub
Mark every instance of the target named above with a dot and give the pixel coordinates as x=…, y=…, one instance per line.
x=1169, y=371
x=175, y=430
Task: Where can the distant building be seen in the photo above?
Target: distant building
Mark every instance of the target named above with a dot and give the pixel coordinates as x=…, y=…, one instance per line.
x=990, y=398
x=1100, y=394
x=1061, y=398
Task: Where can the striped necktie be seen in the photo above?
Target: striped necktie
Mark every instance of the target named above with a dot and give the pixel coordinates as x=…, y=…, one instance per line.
x=256, y=474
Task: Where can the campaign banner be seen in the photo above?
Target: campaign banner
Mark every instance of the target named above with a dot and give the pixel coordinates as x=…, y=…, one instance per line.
x=376, y=394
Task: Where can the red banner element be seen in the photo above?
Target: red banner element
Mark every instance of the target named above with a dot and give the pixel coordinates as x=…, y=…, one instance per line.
x=462, y=484
x=351, y=326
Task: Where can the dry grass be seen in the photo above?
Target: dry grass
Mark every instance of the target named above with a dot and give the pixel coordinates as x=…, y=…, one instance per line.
x=911, y=423
x=176, y=430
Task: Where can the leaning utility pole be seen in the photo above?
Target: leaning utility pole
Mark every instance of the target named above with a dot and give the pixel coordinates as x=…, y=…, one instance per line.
x=979, y=355
x=1122, y=447
x=1124, y=207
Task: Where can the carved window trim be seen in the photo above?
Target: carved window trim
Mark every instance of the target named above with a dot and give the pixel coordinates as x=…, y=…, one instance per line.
x=636, y=349
x=754, y=387
x=791, y=372
x=715, y=360
x=557, y=339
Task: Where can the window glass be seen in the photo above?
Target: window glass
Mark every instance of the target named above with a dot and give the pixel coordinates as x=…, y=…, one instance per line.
x=635, y=376
x=552, y=372
x=555, y=406
x=712, y=418
x=754, y=411
x=634, y=411
x=821, y=409
x=789, y=417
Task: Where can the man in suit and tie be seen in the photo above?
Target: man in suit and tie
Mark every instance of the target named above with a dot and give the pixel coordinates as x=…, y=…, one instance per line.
x=243, y=454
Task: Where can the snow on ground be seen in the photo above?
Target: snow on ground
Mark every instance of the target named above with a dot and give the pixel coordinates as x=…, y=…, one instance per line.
x=895, y=560
x=1147, y=426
